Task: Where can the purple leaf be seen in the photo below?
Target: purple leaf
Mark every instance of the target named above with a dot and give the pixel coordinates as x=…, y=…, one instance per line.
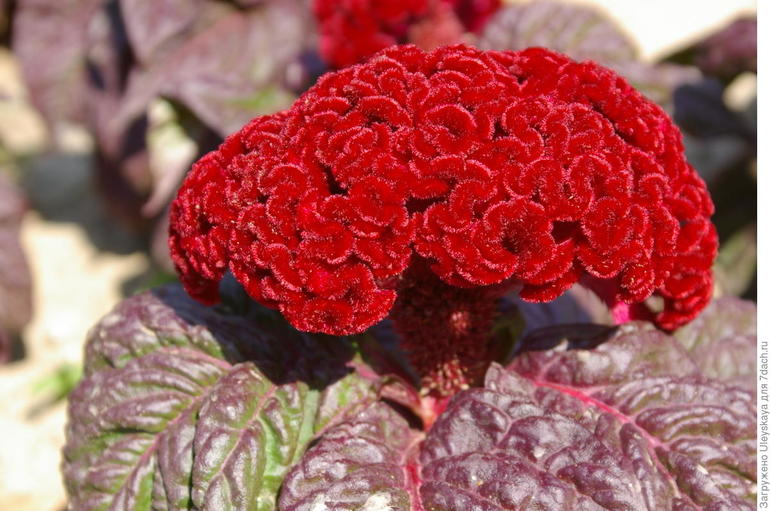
x=49, y=39
x=362, y=464
x=578, y=305
x=186, y=406
x=15, y=280
x=152, y=23
x=723, y=341
x=731, y=51
x=229, y=71
x=105, y=63
x=631, y=425
x=582, y=33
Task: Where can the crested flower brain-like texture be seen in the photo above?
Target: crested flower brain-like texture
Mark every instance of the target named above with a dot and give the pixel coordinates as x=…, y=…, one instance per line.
x=352, y=30
x=481, y=170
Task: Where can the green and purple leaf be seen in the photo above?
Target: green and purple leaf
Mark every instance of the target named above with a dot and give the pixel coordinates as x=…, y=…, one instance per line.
x=183, y=406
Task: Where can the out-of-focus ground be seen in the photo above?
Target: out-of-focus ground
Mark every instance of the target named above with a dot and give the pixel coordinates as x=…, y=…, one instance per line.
x=76, y=282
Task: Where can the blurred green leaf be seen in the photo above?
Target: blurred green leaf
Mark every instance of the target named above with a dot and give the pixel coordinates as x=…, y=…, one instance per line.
x=736, y=266
x=57, y=384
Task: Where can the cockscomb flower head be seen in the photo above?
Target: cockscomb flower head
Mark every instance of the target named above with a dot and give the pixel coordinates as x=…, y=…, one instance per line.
x=352, y=30
x=463, y=171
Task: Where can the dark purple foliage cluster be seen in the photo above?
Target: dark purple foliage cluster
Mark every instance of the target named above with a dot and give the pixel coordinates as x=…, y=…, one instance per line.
x=188, y=407
x=107, y=64
x=730, y=51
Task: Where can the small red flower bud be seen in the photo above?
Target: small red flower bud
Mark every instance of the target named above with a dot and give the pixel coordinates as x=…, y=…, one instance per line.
x=352, y=30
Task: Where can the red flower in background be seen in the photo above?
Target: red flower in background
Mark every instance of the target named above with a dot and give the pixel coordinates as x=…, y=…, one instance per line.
x=352, y=30
x=463, y=169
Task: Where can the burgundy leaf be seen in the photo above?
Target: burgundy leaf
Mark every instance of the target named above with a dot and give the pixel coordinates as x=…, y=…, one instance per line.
x=121, y=162
x=230, y=70
x=630, y=425
x=366, y=463
x=723, y=341
x=127, y=423
x=583, y=33
x=730, y=51
x=185, y=406
x=152, y=23
x=237, y=330
x=49, y=40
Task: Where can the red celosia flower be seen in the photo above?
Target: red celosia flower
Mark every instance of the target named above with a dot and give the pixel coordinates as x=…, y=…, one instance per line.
x=492, y=169
x=352, y=30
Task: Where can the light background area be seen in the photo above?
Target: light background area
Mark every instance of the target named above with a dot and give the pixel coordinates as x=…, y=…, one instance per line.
x=660, y=26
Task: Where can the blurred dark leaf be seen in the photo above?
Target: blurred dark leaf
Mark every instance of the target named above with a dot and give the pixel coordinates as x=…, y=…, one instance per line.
x=60, y=186
x=721, y=144
x=228, y=71
x=582, y=33
x=159, y=245
x=249, y=3
x=724, y=54
x=49, y=39
x=174, y=139
x=15, y=279
x=151, y=24
x=713, y=156
x=577, y=305
x=658, y=82
x=700, y=110
x=750, y=114
x=736, y=266
x=108, y=63
x=730, y=51
x=6, y=15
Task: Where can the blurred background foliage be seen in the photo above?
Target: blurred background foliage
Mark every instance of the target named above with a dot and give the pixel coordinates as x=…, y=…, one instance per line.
x=105, y=104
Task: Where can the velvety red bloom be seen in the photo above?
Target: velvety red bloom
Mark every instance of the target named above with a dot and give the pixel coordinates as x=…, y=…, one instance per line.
x=352, y=30
x=489, y=168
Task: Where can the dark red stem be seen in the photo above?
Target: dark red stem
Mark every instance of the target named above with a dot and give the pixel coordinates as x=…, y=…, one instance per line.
x=445, y=330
